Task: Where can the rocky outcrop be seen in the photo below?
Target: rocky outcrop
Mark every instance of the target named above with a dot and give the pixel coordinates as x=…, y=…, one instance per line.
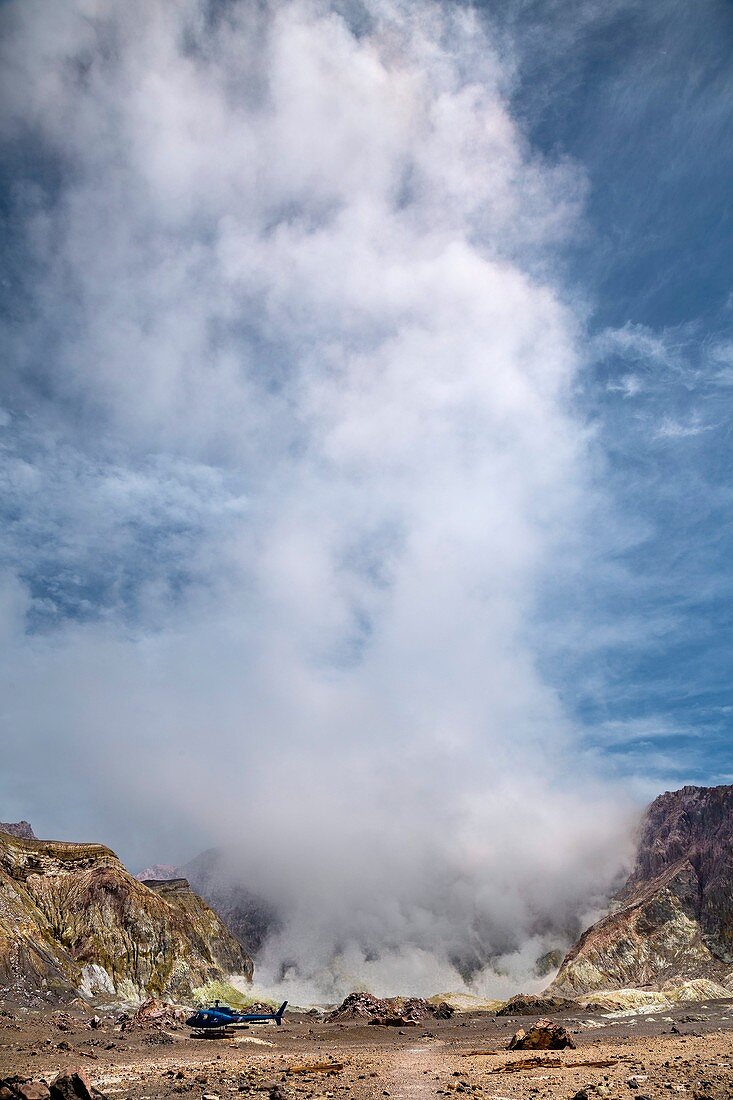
x=390, y=1011
x=18, y=828
x=524, y=1004
x=672, y=921
x=358, y=1006
x=73, y=920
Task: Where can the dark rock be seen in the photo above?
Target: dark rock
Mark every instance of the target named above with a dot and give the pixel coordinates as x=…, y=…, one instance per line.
x=390, y=1011
x=543, y=1035
x=73, y=1086
x=528, y=1005
x=159, y=1039
x=358, y=1006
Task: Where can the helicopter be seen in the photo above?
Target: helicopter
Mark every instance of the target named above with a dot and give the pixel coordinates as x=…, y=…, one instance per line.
x=218, y=1018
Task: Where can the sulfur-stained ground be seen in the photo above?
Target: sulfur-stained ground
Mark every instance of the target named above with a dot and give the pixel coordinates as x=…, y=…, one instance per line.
x=686, y=1052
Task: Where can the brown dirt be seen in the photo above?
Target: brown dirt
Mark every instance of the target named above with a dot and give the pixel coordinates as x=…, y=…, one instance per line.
x=615, y=1059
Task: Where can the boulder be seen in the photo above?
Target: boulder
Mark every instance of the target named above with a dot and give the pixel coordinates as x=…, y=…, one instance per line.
x=18, y=1088
x=543, y=1035
x=73, y=1086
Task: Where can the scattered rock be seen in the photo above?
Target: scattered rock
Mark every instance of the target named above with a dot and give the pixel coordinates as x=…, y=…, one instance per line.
x=544, y=1035
x=416, y=1010
x=390, y=1011
x=358, y=1006
x=393, y=1021
x=159, y=1039
x=154, y=1014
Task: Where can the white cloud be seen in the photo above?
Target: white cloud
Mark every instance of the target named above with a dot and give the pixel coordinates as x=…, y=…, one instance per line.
x=681, y=429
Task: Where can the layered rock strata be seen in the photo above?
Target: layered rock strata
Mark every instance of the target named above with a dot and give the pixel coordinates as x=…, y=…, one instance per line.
x=672, y=921
x=73, y=920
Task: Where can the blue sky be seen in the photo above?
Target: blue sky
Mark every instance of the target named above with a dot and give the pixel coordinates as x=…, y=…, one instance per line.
x=640, y=96
x=366, y=415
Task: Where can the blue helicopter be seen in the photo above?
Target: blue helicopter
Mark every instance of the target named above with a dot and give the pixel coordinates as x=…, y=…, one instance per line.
x=218, y=1017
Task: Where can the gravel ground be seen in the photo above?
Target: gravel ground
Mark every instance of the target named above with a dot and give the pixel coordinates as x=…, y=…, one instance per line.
x=686, y=1052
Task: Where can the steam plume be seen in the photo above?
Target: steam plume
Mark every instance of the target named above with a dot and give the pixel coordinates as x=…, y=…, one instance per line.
x=292, y=455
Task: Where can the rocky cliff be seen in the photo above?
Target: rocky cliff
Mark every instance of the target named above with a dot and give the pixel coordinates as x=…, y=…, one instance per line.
x=673, y=919
x=18, y=828
x=72, y=919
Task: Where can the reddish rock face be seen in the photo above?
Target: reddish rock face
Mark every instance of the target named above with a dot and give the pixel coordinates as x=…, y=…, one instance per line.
x=693, y=826
x=673, y=918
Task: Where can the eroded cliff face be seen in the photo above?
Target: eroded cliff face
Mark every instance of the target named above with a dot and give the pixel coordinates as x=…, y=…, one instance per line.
x=18, y=828
x=72, y=919
x=673, y=919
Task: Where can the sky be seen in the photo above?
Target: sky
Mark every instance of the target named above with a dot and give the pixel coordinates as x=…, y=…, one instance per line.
x=365, y=429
